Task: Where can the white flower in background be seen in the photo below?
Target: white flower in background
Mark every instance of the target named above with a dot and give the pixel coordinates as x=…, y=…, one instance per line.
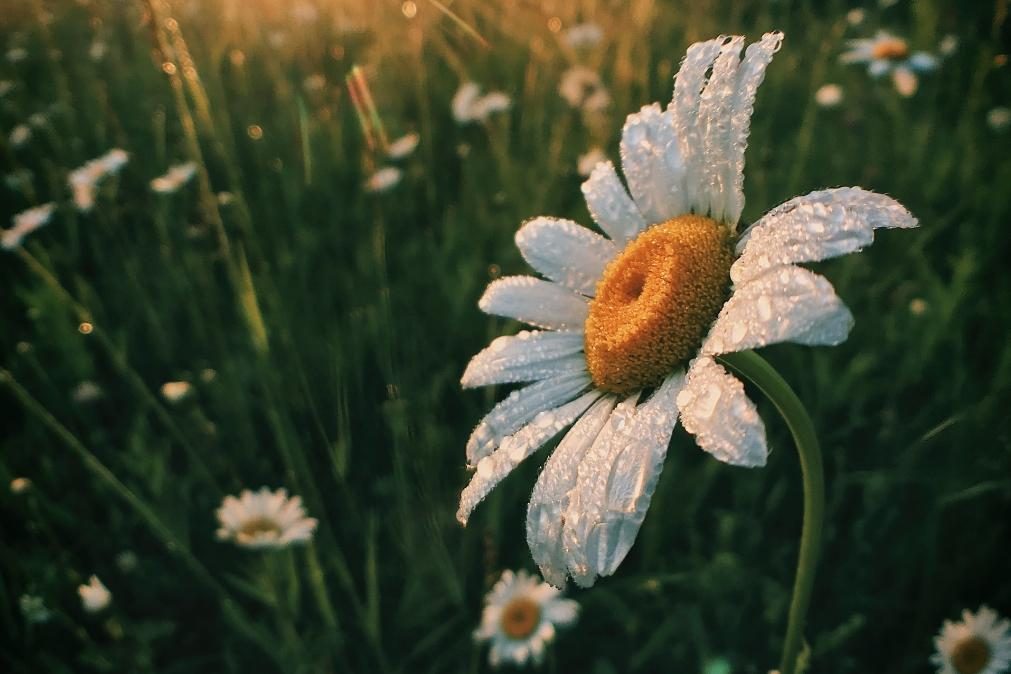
x=520, y=616
x=85, y=392
x=856, y=16
x=16, y=54
x=97, y=50
x=264, y=519
x=948, y=45
x=95, y=596
x=468, y=105
x=34, y=609
x=384, y=179
x=6, y=86
x=829, y=95
x=403, y=146
x=583, y=35
x=20, y=485
x=589, y=160
x=20, y=135
x=886, y=54
x=979, y=644
x=177, y=176
x=999, y=118
x=630, y=326
x=175, y=391
x=581, y=87
x=24, y=223
x=38, y=120
x=84, y=180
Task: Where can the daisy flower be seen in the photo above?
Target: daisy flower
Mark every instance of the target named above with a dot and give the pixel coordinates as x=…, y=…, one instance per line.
x=403, y=146
x=177, y=176
x=520, y=616
x=629, y=325
x=468, y=105
x=978, y=644
x=24, y=223
x=95, y=596
x=264, y=519
x=887, y=54
x=581, y=87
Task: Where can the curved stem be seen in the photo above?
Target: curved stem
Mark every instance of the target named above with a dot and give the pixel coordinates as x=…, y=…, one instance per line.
x=755, y=368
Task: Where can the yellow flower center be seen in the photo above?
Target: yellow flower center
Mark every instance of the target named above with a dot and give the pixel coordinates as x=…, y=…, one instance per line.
x=970, y=656
x=891, y=49
x=655, y=302
x=520, y=618
x=259, y=526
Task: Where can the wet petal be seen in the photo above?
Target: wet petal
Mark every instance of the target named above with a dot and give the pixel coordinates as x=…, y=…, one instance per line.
x=532, y=300
x=715, y=121
x=787, y=304
x=566, y=252
x=615, y=483
x=518, y=408
x=816, y=226
x=610, y=205
x=525, y=356
x=550, y=496
x=492, y=469
x=715, y=409
x=651, y=162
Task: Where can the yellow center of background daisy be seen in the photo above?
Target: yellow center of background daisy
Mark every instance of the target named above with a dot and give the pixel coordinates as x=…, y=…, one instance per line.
x=655, y=301
x=893, y=49
x=520, y=618
x=259, y=526
x=970, y=656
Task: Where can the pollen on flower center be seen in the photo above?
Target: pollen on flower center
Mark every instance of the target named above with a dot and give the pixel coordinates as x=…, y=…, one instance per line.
x=891, y=49
x=655, y=302
x=520, y=618
x=971, y=655
x=259, y=526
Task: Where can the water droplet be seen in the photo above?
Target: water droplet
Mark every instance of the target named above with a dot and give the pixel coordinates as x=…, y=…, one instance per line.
x=737, y=332
x=707, y=403
x=544, y=420
x=485, y=467
x=764, y=307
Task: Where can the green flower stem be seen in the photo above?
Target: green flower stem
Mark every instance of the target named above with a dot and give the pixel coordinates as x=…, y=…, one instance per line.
x=757, y=370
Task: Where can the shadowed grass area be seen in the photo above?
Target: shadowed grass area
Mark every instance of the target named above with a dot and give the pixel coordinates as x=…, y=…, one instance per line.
x=324, y=330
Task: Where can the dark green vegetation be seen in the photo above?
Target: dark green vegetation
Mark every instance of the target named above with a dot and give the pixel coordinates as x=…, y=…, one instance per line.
x=338, y=324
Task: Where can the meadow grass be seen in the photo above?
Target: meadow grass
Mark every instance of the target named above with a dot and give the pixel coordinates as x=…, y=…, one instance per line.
x=324, y=330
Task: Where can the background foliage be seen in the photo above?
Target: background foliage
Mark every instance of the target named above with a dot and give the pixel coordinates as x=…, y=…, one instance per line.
x=337, y=324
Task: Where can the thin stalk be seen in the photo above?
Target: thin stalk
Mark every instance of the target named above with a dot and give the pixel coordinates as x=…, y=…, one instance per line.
x=173, y=544
x=757, y=370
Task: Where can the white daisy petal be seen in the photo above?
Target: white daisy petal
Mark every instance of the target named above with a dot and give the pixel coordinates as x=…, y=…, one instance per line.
x=749, y=76
x=615, y=483
x=493, y=468
x=566, y=252
x=878, y=67
x=518, y=408
x=715, y=105
x=561, y=611
x=816, y=226
x=715, y=409
x=525, y=356
x=609, y=204
x=549, y=498
x=651, y=162
x=534, y=301
x=787, y=304
x=684, y=108
x=923, y=61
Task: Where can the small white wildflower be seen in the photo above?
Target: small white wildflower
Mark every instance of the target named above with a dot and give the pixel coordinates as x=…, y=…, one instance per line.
x=856, y=16
x=264, y=519
x=384, y=179
x=85, y=392
x=980, y=643
x=829, y=95
x=581, y=87
x=906, y=82
x=403, y=146
x=20, y=135
x=175, y=391
x=520, y=616
x=97, y=50
x=583, y=35
x=114, y=160
x=469, y=106
x=95, y=596
x=38, y=120
x=177, y=176
x=887, y=54
x=999, y=118
x=20, y=485
x=17, y=54
x=589, y=160
x=918, y=306
x=25, y=223
x=948, y=45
